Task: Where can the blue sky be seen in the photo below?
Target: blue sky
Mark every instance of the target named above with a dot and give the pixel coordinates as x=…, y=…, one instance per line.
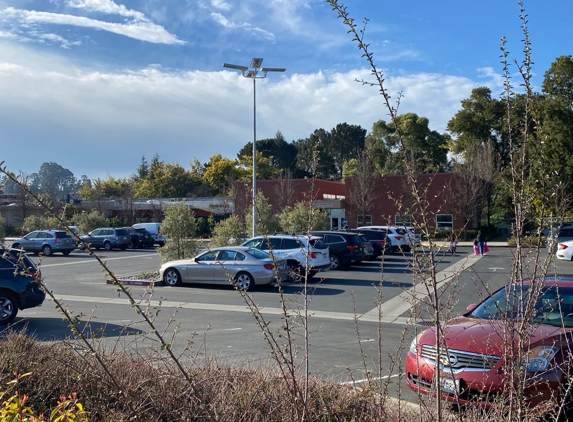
x=96, y=84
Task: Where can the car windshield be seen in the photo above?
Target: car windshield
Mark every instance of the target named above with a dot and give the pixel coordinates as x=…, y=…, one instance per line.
x=553, y=305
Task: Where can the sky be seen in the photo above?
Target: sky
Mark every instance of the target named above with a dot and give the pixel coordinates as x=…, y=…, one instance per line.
x=95, y=85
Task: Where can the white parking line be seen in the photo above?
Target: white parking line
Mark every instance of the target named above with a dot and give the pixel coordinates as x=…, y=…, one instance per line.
x=92, y=260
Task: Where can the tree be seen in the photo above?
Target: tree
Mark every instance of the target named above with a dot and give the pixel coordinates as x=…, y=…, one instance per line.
x=313, y=158
x=280, y=154
x=265, y=170
x=220, y=173
x=231, y=231
x=143, y=170
x=167, y=180
x=346, y=142
x=474, y=185
x=54, y=181
x=88, y=221
x=558, y=80
x=362, y=189
x=303, y=217
x=425, y=149
x=284, y=190
x=480, y=120
x=180, y=227
x=267, y=219
x=35, y=222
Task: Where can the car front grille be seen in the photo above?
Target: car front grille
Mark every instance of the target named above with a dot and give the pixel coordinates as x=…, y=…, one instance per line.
x=459, y=360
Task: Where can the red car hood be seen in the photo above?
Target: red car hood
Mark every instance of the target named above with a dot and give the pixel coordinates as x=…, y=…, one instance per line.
x=489, y=337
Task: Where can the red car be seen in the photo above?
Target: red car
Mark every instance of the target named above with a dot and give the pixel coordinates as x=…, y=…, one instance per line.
x=476, y=354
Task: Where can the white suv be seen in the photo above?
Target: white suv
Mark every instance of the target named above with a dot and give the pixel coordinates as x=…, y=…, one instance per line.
x=399, y=236
x=298, y=250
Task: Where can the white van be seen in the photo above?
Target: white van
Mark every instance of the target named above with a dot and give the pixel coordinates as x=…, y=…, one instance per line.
x=155, y=230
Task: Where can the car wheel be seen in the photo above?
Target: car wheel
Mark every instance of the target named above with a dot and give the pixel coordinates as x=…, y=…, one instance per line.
x=335, y=262
x=131, y=246
x=107, y=246
x=8, y=308
x=66, y=253
x=294, y=271
x=244, y=281
x=172, y=278
x=16, y=246
x=47, y=250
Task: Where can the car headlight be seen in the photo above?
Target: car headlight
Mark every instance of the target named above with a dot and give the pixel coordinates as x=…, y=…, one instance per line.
x=414, y=344
x=538, y=358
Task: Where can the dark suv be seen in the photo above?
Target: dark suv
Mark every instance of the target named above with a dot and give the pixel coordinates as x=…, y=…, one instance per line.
x=380, y=242
x=107, y=238
x=19, y=286
x=344, y=248
x=46, y=241
x=140, y=238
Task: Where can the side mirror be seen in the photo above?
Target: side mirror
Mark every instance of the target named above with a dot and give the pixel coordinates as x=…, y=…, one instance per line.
x=471, y=307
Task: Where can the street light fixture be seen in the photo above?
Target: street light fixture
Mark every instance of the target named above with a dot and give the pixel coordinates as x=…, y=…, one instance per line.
x=254, y=73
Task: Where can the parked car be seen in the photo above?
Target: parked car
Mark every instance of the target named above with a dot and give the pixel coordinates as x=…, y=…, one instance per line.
x=344, y=248
x=46, y=242
x=140, y=238
x=367, y=248
x=565, y=250
x=381, y=245
x=564, y=234
x=300, y=251
x=414, y=237
x=472, y=359
x=398, y=236
x=245, y=266
x=155, y=230
x=108, y=238
x=19, y=285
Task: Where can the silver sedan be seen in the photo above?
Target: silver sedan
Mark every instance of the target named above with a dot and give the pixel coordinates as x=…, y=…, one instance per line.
x=241, y=266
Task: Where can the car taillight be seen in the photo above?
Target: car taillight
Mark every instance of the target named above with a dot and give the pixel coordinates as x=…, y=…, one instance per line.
x=562, y=246
x=381, y=242
x=398, y=238
x=269, y=266
x=312, y=254
x=352, y=247
x=36, y=274
x=57, y=239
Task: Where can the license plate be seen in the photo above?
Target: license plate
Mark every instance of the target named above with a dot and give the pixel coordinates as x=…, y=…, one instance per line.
x=450, y=385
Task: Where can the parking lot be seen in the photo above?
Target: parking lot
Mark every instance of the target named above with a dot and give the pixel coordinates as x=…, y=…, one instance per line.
x=344, y=322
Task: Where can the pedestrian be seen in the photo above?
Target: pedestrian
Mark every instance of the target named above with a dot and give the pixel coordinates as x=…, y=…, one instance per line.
x=481, y=242
x=476, y=248
x=453, y=247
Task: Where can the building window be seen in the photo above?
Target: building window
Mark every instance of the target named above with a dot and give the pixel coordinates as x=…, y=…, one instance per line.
x=364, y=220
x=444, y=222
x=403, y=220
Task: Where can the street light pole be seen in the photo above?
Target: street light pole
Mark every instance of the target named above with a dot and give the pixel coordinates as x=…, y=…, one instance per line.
x=253, y=73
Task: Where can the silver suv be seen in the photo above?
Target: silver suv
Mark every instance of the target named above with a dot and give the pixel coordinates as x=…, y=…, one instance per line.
x=107, y=238
x=46, y=242
x=299, y=251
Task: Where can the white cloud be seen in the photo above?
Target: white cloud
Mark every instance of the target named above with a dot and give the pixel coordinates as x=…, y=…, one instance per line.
x=140, y=30
x=223, y=21
x=107, y=6
x=221, y=5
x=99, y=123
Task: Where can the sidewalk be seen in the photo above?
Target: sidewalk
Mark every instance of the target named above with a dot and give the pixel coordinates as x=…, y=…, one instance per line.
x=497, y=242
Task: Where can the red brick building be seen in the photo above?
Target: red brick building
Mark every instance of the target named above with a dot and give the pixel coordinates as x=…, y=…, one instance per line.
x=388, y=201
